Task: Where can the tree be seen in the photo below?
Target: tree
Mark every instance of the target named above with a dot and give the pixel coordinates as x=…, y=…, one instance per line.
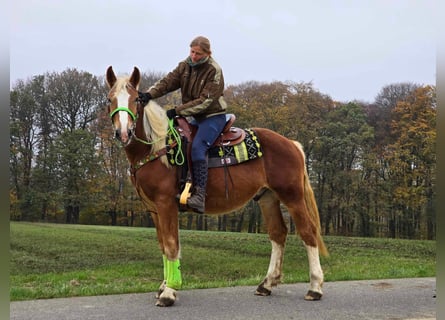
x=23, y=140
x=77, y=166
x=74, y=98
x=337, y=160
x=412, y=162
x=380, y=113
x=73, y=101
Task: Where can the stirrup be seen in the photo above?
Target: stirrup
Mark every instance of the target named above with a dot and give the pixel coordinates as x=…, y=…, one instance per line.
x=185, y=194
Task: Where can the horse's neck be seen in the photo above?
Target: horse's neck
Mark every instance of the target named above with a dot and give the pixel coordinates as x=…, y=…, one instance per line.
x=136, y=150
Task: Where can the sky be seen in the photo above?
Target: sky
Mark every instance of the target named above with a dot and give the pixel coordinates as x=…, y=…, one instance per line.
x=347, y=49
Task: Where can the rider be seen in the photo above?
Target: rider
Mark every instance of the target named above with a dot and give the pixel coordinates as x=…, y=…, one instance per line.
x=201, y=82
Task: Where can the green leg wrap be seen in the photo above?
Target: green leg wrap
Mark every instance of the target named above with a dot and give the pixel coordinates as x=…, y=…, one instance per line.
x=174, y=279
x=164, y=259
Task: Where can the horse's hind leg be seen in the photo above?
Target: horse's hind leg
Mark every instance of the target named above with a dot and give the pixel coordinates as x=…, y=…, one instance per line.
x=307, y=230
x=315, y=273
x=277, y=230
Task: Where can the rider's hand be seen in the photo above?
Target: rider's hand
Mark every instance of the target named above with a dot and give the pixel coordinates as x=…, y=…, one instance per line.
x=144, y=97
x=171, y=113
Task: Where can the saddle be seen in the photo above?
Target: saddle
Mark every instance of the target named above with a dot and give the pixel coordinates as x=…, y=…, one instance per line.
x=229, y=136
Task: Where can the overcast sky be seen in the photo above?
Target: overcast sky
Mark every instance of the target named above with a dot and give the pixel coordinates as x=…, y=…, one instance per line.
x=348, y=49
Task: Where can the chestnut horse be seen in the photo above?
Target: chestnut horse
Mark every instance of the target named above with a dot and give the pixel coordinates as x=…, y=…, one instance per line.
x=279, y=176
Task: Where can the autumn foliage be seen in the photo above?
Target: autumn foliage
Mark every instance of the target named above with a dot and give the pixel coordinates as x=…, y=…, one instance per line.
x=372, y=165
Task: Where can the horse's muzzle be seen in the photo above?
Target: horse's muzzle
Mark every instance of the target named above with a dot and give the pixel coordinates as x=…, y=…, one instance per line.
x=123, y=136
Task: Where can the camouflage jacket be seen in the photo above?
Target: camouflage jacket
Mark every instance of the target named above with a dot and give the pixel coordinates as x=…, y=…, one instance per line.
x=201, y=87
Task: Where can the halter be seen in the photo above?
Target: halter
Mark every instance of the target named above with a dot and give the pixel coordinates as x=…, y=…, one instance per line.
x=132, y=115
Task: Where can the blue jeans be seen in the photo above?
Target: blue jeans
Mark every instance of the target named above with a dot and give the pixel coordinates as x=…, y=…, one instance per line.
x=208, y=130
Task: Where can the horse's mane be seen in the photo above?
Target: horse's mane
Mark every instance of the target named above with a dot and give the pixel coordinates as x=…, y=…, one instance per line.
x=156, y=127
x=155, y=120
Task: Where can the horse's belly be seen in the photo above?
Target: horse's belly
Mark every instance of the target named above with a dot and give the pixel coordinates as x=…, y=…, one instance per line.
x=230, y=190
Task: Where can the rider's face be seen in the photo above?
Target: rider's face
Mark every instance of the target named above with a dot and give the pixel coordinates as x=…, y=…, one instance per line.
x=196, y=53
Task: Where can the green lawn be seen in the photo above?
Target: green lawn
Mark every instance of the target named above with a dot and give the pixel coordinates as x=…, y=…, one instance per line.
x=54, y=260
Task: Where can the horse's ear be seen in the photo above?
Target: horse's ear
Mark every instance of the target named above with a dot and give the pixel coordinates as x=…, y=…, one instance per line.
x=135, y=77
x=111, y=77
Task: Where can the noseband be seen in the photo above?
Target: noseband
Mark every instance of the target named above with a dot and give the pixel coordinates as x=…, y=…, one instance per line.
x=132, y=115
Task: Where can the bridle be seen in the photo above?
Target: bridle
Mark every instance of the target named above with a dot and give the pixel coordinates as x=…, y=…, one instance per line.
x=134, y=116
x=174, y=141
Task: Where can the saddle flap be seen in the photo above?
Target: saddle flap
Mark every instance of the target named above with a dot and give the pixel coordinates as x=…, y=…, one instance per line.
x=184, y=128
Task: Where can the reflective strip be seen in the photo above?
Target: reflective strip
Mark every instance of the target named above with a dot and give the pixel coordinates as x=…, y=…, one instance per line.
x=241, y=152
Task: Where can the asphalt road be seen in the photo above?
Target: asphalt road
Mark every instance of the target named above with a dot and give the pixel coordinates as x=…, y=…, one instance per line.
x=392, y=299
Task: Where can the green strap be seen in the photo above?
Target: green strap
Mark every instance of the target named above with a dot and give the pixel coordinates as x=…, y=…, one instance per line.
x=132, y=115
x=174, y=279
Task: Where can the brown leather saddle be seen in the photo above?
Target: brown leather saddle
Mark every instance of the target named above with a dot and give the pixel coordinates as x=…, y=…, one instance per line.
x=229, y=136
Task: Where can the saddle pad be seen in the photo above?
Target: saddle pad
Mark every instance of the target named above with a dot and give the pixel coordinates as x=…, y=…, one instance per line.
x=248, y=149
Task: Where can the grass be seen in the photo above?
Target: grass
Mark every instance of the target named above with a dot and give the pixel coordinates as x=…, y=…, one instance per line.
x=53, y=260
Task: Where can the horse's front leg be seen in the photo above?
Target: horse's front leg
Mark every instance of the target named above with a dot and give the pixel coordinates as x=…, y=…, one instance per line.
x=276, y=227
x=168, y=226
x=154, y=217
x=173, y=280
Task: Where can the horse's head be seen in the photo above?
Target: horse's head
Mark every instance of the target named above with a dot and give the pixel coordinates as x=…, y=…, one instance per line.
x=123, y=103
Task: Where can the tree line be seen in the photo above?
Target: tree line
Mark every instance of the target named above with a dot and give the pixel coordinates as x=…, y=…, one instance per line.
x=372, y=165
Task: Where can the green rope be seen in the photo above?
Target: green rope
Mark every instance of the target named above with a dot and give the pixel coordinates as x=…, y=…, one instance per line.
x=179, y=156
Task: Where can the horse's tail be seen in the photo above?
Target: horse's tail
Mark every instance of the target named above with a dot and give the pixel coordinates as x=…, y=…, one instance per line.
x=311, y=205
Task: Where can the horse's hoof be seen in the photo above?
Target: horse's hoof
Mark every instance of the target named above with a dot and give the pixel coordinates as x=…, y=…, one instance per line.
x=312, y=296
x=164, y=302
x=161, y=289
x=167, y=298
x=261, y=291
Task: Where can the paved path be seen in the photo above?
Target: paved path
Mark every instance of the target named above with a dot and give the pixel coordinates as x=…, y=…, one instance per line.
x=392, y=299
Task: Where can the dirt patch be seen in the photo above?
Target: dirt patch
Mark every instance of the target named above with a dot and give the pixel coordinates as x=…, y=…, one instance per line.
x=382, y=285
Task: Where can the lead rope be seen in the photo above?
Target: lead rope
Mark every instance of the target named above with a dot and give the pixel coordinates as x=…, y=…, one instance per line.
x=179, y=156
